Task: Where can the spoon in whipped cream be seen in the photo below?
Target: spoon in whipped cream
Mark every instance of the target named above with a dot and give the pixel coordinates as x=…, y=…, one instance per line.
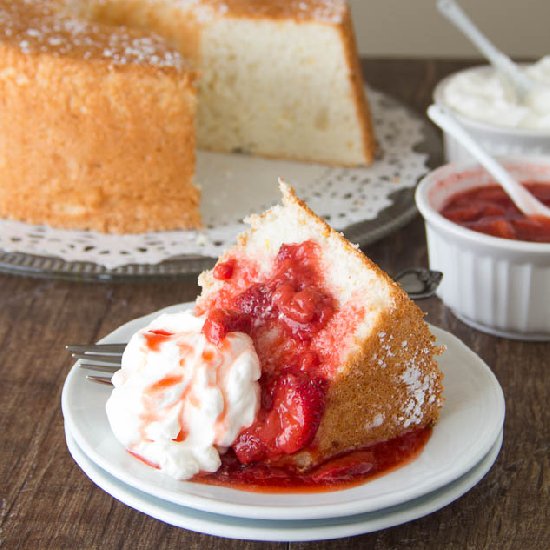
x=526, y=203
x=502, y=63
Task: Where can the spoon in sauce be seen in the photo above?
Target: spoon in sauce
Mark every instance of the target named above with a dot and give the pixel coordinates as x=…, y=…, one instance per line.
x=501, y=62
x=526, y=203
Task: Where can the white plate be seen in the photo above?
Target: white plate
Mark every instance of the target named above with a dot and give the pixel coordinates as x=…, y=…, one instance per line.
x=471, y=419
x=269, y=530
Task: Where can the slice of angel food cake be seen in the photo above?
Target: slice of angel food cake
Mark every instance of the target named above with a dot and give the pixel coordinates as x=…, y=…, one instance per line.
x=302, y=364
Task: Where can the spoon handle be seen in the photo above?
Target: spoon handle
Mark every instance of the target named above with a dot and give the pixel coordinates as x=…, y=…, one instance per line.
x=455, y=14
x=523, y=200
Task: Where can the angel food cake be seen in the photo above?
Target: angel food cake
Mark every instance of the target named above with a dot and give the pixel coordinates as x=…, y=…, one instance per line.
x=299, y=352
x=104, y=101
x=96, y=124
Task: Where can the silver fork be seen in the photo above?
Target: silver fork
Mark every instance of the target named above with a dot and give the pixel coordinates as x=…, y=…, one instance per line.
x=98, y=357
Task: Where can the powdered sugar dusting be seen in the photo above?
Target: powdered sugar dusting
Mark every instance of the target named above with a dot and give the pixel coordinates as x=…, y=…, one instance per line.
x=420, y=389
x=376, y=422
x=35, y=27
x=386, y=346
x=420, y=381
x=328, y=11
x=202, y=11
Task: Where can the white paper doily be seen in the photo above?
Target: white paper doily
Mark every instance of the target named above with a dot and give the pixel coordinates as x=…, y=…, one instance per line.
x=235, y=185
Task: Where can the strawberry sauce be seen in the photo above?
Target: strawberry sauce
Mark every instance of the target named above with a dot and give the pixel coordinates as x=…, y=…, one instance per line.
x=489, y=210
x=341, y=472
x=283, y=313
x=154, y=338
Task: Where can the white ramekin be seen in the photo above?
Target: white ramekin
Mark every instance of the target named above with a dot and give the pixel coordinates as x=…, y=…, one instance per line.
x=500, y=286
x=498, y=140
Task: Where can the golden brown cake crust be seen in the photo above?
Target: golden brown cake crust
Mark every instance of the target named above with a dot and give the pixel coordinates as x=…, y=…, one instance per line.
x=374, y=399
x=331, y=11
x=103, y=142
x=49, y=27
x=356, y=74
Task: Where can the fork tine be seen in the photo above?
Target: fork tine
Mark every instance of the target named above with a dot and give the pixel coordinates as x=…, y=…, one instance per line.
x=101, y=359
x=107, y=349
x=100, y=379
x=99, y=368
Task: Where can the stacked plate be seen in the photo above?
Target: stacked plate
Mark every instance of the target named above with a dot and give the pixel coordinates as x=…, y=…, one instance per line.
x=462, y=448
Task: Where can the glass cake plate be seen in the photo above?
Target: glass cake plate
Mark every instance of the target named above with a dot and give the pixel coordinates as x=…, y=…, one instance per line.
x=366, y=204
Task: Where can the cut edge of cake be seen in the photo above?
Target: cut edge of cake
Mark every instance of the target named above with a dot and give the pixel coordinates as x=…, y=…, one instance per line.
x=300, y=105
x=249, y=104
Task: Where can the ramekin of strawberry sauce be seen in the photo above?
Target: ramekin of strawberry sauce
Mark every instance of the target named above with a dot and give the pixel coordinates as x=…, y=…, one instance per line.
x=495, y=261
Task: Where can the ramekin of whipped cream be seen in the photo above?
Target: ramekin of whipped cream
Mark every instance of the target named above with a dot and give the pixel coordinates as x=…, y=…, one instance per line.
x=179, y=401
x=488, y=106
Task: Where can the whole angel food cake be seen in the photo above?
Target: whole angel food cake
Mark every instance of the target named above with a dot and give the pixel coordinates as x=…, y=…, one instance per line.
x=299, y=351
x=105, y=100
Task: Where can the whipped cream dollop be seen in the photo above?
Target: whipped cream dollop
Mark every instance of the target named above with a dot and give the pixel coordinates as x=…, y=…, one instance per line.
x=178, y=400
x=487, y=96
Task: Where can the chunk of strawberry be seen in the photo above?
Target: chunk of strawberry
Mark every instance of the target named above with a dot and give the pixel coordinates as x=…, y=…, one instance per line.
x=219, y=322
x=491, y=193
x=462, y=213
x=297, y=405
x=497, y=228
x=214, y=327
x=302, y=306
x=224, y=270
x=255, y=301
x=346, y=467
x=532, y=229
x=492, y=210
x=541, y=191
x=249, y=447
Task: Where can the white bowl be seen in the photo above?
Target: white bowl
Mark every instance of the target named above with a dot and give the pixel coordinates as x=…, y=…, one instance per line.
x=498, y=140
x=500, y=286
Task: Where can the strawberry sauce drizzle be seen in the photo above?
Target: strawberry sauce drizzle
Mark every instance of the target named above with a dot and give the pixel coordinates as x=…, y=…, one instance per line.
x=155, y=392
x=340, y=472
x=154, y=338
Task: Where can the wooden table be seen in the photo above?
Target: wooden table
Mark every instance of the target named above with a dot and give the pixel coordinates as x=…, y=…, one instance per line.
x=47, y=502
